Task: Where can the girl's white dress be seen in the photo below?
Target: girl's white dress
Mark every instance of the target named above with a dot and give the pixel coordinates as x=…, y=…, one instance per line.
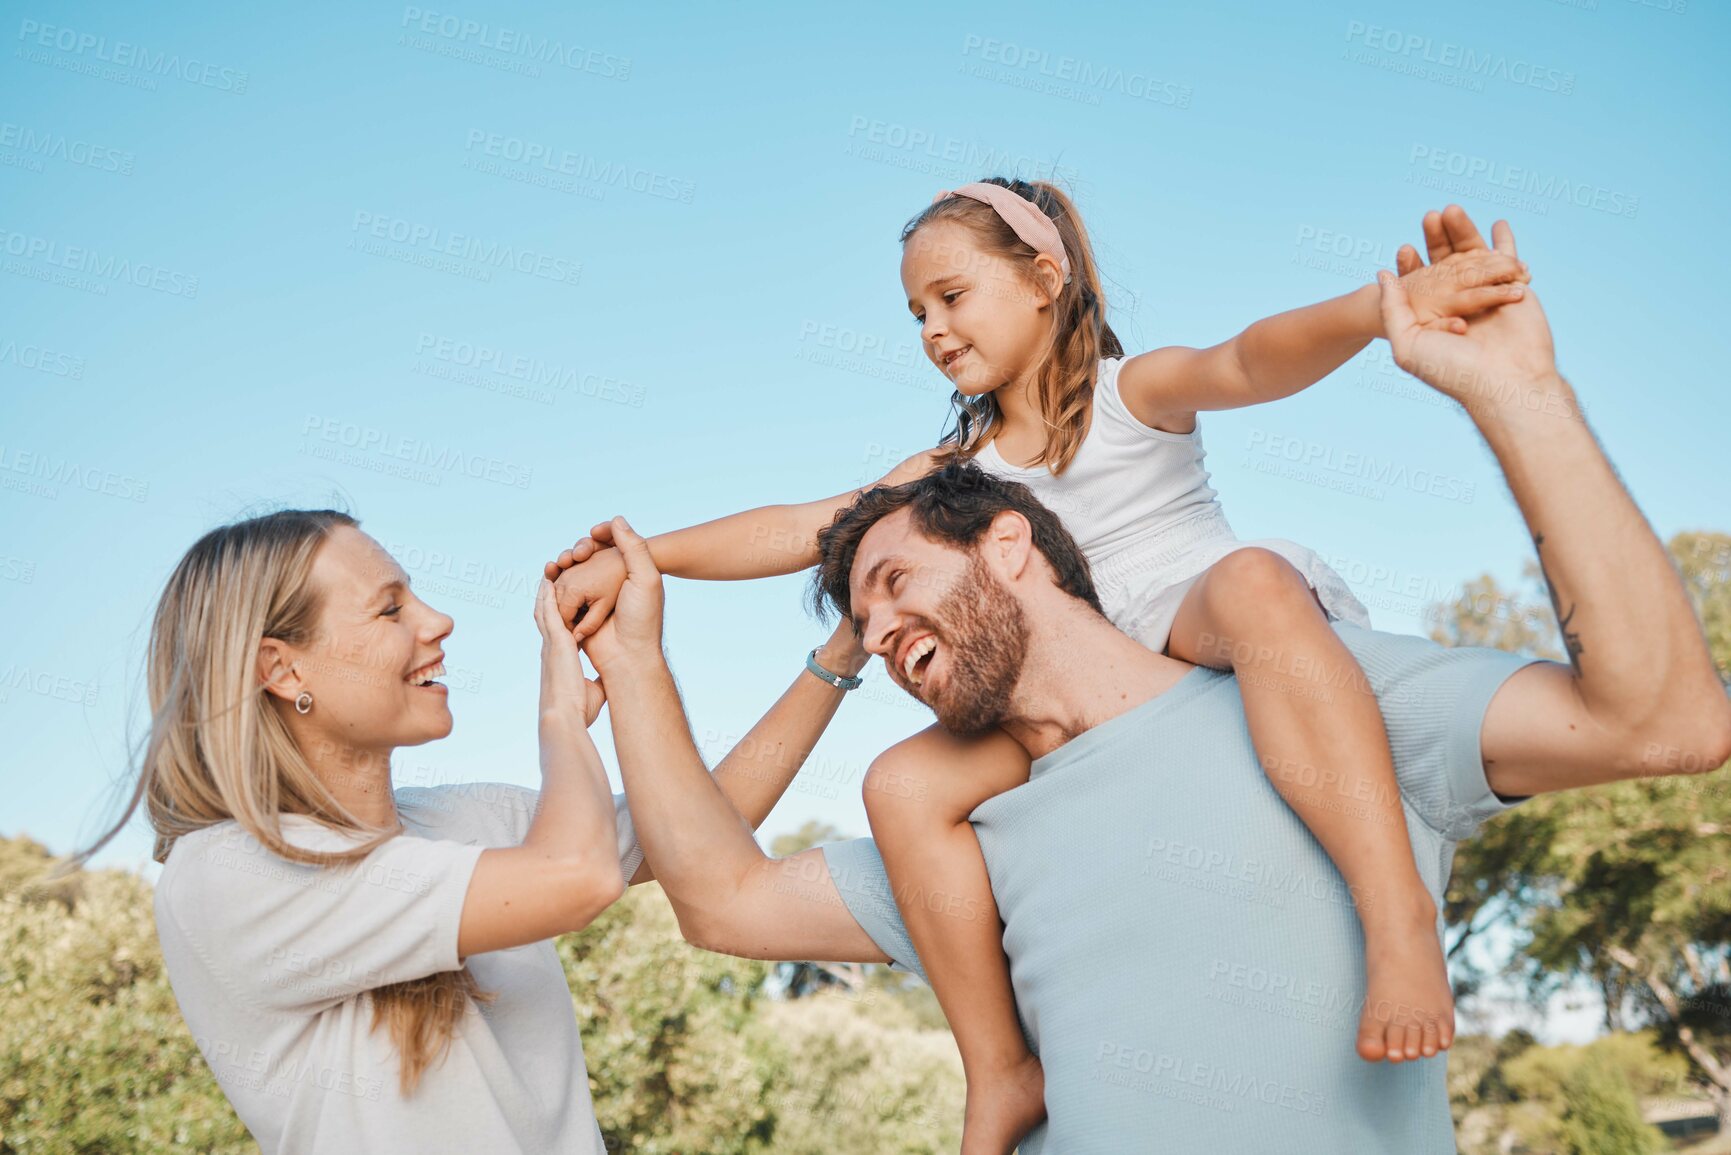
x=1138, y=503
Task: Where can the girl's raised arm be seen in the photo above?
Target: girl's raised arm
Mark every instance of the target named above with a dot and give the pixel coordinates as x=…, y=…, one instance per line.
x=761, y=542
x=1283, y=354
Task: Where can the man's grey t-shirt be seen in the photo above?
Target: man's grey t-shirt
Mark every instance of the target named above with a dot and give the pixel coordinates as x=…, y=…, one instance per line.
x=1187, y=962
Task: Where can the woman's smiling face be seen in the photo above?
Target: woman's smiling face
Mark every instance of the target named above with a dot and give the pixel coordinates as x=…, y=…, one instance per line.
x=377, y=646
x=981, y=323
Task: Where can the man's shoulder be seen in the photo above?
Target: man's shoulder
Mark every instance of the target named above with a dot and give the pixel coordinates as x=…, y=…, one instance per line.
x=1408, y=672
x=488, y=813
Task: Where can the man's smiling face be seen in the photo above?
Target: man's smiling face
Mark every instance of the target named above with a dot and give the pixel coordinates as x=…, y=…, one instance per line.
x=948, y=630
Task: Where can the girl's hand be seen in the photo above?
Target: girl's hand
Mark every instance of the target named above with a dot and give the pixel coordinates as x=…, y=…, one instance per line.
x=566, y=694
x=1460, y=285
x=1504, y=359
x=587, y=578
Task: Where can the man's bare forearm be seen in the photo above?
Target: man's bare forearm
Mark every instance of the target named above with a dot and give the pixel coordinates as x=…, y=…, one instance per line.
x=1641, y=664
x=700, y=846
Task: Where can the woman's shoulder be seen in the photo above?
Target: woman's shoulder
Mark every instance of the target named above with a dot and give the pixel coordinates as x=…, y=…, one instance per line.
x=223, y=870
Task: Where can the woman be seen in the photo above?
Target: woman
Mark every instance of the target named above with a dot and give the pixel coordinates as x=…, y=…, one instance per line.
x=372, y=970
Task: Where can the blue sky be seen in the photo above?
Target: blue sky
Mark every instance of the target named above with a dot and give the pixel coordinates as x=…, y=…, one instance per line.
x=488, y=274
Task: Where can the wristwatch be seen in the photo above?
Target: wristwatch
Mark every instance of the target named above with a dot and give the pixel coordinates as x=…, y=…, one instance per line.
x=833, y=679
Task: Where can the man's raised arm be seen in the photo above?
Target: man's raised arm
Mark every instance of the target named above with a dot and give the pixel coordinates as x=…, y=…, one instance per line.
x=728, y=895
x=1640, y=695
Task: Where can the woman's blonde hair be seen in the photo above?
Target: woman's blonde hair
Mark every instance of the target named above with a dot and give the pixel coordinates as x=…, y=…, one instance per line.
x=1079, y=338
x=218, y=750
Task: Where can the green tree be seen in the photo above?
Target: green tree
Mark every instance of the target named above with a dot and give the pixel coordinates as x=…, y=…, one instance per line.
x=1517, y=1096
x=1628, y=886
x=94, y=1056
x=1601, y=1116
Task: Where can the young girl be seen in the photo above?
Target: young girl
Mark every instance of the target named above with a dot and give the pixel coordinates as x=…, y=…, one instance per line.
x=369, y=969
x=1001, y=278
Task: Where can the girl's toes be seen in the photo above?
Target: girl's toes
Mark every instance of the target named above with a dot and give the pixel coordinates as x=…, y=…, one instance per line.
x=1371, y=1045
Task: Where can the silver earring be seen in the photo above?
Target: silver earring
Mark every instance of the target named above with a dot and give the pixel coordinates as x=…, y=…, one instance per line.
x=304, y=703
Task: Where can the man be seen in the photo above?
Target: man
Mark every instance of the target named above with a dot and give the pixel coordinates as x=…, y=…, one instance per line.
x=1185, y=959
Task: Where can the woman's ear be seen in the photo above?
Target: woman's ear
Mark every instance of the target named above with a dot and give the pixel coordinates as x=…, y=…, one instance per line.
x=276, y=670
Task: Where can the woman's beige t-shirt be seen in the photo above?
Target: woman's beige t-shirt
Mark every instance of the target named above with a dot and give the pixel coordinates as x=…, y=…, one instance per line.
x=271, y=962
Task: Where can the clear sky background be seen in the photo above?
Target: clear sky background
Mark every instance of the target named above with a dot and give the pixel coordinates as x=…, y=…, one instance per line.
x=642, y=259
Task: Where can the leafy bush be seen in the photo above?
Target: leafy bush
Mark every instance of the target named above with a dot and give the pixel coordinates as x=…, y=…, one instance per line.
x=686, y=1053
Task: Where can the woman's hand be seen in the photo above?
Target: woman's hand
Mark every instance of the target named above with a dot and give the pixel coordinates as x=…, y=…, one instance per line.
x=566, y=694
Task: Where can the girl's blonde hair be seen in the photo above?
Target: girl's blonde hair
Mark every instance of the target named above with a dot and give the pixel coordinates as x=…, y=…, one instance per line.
x=217, y=750
x=1079, y=338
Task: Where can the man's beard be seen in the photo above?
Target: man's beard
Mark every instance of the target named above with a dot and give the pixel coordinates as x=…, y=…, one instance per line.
x=985, y=634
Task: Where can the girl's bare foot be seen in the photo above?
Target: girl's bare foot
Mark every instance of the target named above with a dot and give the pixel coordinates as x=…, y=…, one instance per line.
x=1003, y=1107
x=1409, y=1009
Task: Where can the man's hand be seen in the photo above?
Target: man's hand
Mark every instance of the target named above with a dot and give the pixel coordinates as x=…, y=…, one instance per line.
x=844, y=653
x=586, y=579
x=633, y=630
x=1505, y=357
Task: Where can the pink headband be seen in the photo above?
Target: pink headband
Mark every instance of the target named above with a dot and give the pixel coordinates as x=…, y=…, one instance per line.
x=1021, y=214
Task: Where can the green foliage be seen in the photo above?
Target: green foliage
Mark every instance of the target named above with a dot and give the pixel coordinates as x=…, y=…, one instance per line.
x=1627, y=885
x=1586, y=1100
x=811, y=833
x=862, y=1078
x=1601, y=1116
x=94, y=1056
x=685, y=1052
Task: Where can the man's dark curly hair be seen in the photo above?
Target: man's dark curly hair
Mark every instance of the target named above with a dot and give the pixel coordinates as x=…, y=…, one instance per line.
x=954, y=505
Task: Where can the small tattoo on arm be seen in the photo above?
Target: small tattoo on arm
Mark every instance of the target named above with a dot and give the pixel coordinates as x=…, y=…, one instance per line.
x=1571, y=639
